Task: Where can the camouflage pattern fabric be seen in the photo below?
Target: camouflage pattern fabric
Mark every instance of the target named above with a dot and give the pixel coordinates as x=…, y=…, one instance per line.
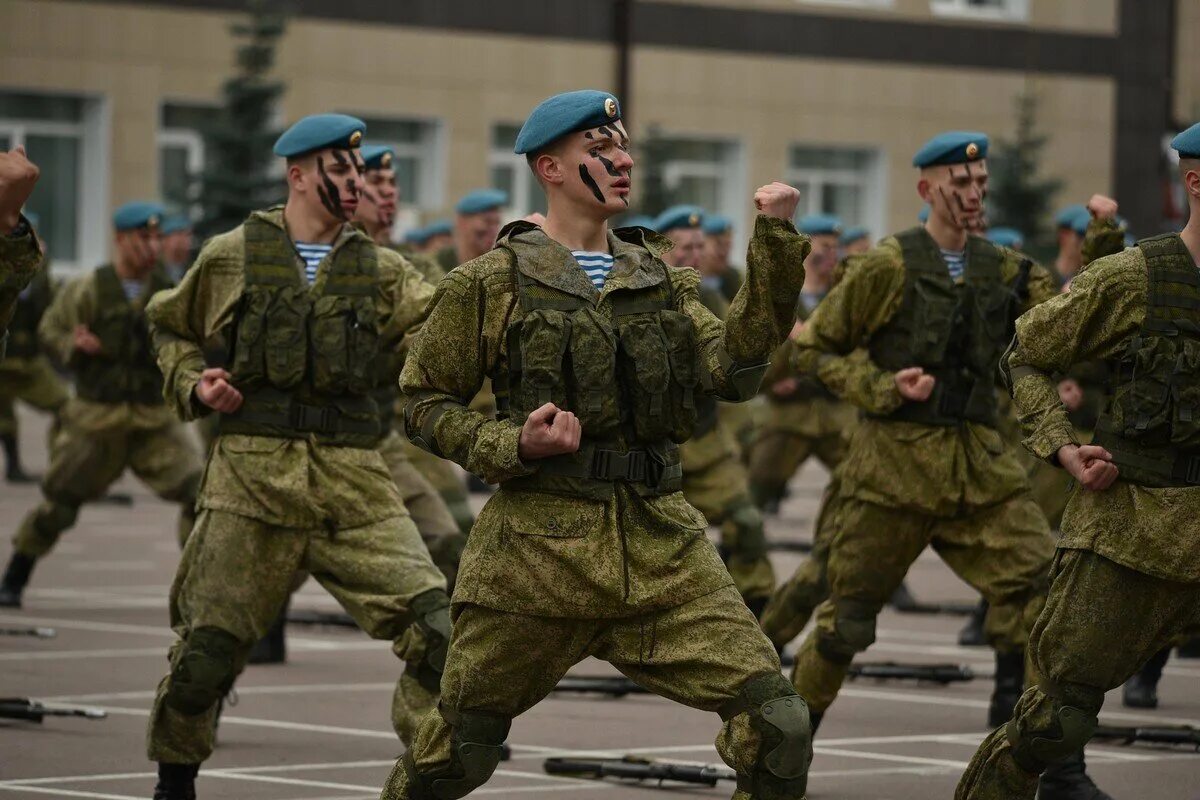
x=446, y=478
x=20, y=259
x=32, y=381
x=1093, y=602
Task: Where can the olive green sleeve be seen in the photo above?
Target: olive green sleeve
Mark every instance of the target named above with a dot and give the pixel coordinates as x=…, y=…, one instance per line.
x=1103, y=238
x=1042, y=287
x=734, y=354
x=862, y=303
x=72, y=305
x=445, y=370
x=190, y=320
x=20, y=259
x=1104, y=307
x=404, y=298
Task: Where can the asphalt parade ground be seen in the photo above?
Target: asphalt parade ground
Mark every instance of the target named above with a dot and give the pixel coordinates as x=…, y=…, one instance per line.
x=317, y=728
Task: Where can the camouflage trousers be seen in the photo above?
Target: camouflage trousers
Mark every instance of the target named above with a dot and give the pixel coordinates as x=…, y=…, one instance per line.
x=32, y=381
x=792, y=433
x=446, y=479
x=501, y=664
x=233, y=579
x=1101, y=623
x=1004, y=551
x=83, y=464
x=437, y=526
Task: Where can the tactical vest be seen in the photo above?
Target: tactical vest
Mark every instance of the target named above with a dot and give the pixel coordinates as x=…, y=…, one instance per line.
x=808, y=386
x=31, y=306
x=632, y=382
x=955, y=331
x=125, y=370
x=1152, y=424
x=304, y=357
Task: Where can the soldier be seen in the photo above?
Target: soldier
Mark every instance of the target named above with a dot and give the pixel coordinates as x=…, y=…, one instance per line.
x=803, y=418
x=1011, y=238
x=714, y=262
x=588, y=547
x=855, y=241
x=439, y=234
x=1128, y=563
x=1069, y=258
x=96, y=326
x=277, y=327
x=25, y=373
x=927, y=465
x=178, y=242
x=476, y=224
x=714, y=478
x=20, y=251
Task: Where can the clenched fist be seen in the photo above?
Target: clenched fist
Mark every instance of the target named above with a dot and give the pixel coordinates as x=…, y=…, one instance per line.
x=85, y=341
x=17, y=178
x=549, y=432
x=777, y=200
x=914, y=385
x=1090, y=464
x=216, y=391
x=1102, y=207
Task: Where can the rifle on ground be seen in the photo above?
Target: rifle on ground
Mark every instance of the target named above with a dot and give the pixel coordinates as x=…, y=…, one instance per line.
x=337, y=619
x=790, y=546
x=1169, y=734
x=953, y=609
x=37, y=633
x=637, y=769
x=33, y=711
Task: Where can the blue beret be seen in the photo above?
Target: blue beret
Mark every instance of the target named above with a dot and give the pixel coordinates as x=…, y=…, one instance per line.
x=566, y=113
x=679, y=217
x=1065, y=218
x=377, y=156
x=854, y=234
x=638, y=221
x=439, y=227
x=418, y=235
x=819, y=225
x=1006, y=237
x=1188, y=142
x=32, y=218
x=923, y=214
x=138, y=214
x=717, y=224
x=481, y=200
x=952, y=147
x=318, y=132
x=1080, y=220
x=174, y=224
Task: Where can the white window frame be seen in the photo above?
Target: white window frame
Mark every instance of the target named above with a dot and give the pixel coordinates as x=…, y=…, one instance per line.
x=1013, y=10
x=430, y=154
x=731, y=173
x=521, y=199
x=193, y=143
x=872, y=181
x=92, y=199
x=850, y=3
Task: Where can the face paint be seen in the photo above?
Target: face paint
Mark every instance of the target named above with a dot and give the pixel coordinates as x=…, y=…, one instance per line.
x=590, y=182
x=612, y=134
x=328, y=192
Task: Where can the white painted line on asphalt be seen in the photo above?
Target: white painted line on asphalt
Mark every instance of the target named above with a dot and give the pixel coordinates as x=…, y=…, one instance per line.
x=892, y=757
x=247, y=691
x=65, y=792
x=88, y=625
x=238, y=776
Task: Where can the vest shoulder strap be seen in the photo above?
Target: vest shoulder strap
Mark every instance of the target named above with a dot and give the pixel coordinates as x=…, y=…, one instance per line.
x=271, y=258
x=920, y=252
x=1173, y=284
x=983, y=260
x=110, y=293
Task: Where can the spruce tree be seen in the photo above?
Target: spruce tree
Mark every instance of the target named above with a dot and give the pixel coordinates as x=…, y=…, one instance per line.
x=237, y=177
x=1019, y=198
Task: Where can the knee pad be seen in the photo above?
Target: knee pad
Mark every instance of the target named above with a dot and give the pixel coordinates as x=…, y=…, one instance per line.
x=751, y=538
x=854, y=631
x=781, y=719
x=1040, y=746
x=475, y=748
x=430, y=612
x=204, y=671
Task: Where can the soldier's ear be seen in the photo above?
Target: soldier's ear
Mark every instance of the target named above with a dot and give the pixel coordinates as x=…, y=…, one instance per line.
x=548, y=168
x=924, y=189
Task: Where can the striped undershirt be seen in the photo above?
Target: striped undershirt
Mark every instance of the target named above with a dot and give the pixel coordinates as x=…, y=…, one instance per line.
x=132, y=288
x=956, y=260
x=596, y=265
x=313, y=255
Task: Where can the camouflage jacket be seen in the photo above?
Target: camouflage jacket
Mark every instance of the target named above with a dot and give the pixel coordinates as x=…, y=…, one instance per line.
x=554, y=555
x=1151, y=530
x=20, y=258
x=280, y=481
x=939, y=470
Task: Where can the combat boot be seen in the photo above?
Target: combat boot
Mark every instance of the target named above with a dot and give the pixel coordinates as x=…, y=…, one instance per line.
x=20, y=567
x=902, y=599
x=13, y=473
x=972, y=634
x=1068, y=780
x=176, y=782
x=1010, y=682
x=1141, y=690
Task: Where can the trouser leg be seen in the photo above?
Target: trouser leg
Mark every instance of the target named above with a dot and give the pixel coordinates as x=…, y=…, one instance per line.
x=774, y=457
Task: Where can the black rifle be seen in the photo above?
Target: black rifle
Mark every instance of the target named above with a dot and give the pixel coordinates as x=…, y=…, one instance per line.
x=338, y=619
x=637, y=769
x=33, y=711
x=38, y=633
x=925, y=673
x=1181, y=734
x=954, y=609
x=790, y=546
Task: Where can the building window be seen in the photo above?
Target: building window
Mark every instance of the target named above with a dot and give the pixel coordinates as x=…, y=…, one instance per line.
x=510, y=173
x=841, y=181
x=64, y=136
x=709, y=173
x=1012, y=10
x=417, y=144
x=181, y=152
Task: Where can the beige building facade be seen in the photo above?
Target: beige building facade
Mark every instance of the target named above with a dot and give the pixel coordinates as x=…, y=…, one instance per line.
x=109, y=96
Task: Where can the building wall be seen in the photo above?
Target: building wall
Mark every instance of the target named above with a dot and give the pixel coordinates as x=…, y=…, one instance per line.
x=1186, y=97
